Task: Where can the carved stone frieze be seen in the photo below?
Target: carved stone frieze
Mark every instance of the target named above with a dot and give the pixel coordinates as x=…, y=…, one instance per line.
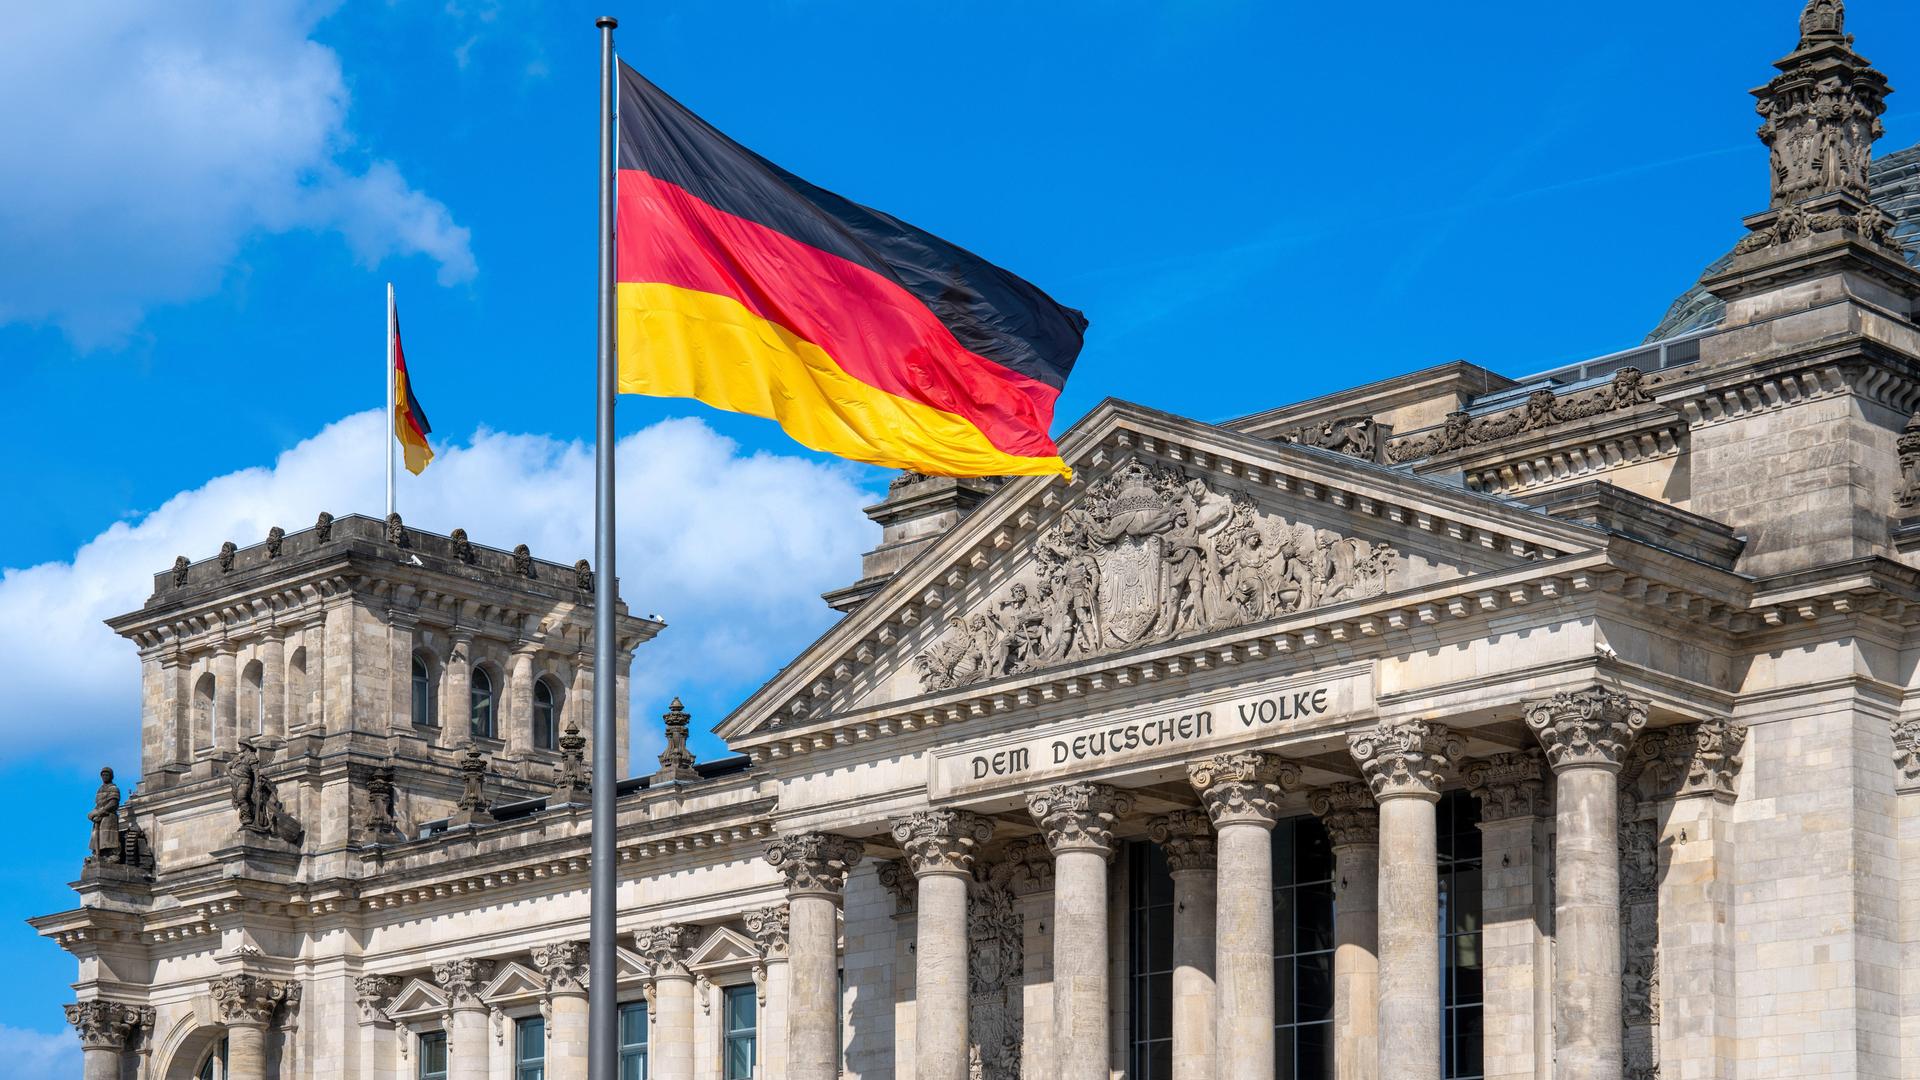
x=667, y=948
x=1543, y=409
x=1149, y=555
x=463, y=979
x=1594, y=726
x=372, y=994
x=1187, y=838
x=564, y=965
x=1906, y=755
x=996, y=958
x=1691, y=759
x=1354, y=436
x=1244, y=787
x=941, y=841
x=1411, y=757
x=1079, y=817
x=248, y=999
x=815, y=864
x=768, y=927
x=1908, y=445
x=1509, y=785
x=108, y=1025
x=1349, y=812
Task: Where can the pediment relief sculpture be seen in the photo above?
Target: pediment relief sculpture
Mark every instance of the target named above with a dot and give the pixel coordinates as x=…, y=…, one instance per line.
x=1543, y=409
x=1151, y=554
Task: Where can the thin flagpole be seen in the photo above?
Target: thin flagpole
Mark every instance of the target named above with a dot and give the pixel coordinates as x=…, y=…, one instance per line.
x=390, y=403
x=603, y=1016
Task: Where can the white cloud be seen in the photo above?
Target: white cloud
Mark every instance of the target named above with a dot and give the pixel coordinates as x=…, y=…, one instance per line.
x=731, y=549
x=39, y=1053
x=147, y=142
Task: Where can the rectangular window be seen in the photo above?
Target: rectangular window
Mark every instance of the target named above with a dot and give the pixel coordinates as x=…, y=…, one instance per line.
x=530, y=1049
x=1150, y=962
x=1460, y=959
x=433, y=1056
x=740, y=1050
x=1302, y=950
x=633, y=1041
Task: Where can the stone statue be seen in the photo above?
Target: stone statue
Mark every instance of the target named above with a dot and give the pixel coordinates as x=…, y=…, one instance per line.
x=255, y=800
x=462, y=547
x=276, y=538
x=227, y=551
x=106, y=820
x=180, y=565
x=522, y=561
x=323, y=525
x=583, y=575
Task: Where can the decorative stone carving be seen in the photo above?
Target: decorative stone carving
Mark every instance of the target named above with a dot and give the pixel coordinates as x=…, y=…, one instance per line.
x=1148, y=555
x=462, y=547
x=1508, y=786
x=180, y=565
x=573, y=781
x=583, y=575
x=255, y=800
x=1408, y=758
x=941, y=841
x=898, y=878
x=1079, y=817
x=1354, y=436
x=1791, y=223
x=248, y=1000
x=1593, y=726
x=1349, y=812
x=1821, y=114
x=105, y=816
x=814, y=863
x=1692, y=759
x=323, y=526
x=462, y=980
x=381, y=825
x=564, y=965
x=1243, y=787
x=276, y=539
x=1906, y=498
x=1543, y=409
x=522, y=561
x=1187, y=838
x=472, y=807
x=396, y=530
x=228, y=549
x=667, y=948
x=108, y=1025
x=1639, y=939
x=373, y=993
x=676, y=761
x=768, y=928
x=996, y=959
x=1906, y=755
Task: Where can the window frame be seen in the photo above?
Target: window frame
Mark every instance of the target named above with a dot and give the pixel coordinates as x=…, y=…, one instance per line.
x=476, y=697
x=635, y=1051
x=551, y=708
x=524, y=1066
x=422, y=1041
x=422, y=698
x=730, y=1035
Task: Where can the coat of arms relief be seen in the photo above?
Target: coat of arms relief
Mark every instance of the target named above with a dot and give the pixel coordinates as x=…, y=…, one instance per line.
x=1151, y=554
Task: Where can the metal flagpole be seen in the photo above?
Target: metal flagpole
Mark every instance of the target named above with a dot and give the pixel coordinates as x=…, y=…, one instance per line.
x=603, y=1016
x=391, y=437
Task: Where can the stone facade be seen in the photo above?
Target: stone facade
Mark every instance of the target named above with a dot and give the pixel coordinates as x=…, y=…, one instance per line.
x=1650, y=620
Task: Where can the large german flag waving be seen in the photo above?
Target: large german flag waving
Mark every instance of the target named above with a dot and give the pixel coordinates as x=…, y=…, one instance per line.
x=746, y=287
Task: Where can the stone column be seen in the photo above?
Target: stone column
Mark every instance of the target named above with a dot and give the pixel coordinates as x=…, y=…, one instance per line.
x=564, y=964
x=1187, y=838
x=273, y=683
x=1241, y=792
x=226, y=724
x=106, y=1029
x=246, y=1004
x=1404, y=764
x=516, y=719
x=373, y=994
x=1352, y=820
x=1513, y=793
x=1586, y=734
x=940, y=846
x=1078, y=821
x=456, y=708
x=467, y=1039
x=816, y=866
x=666, y=949
x=312, y=712
x=769, y=929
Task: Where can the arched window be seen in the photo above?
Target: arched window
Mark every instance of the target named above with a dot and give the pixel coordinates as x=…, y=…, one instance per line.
x=546, y=715
x=203, y=698
x=297, y=715
x=480, y=714
x=423, y=710
x=253, y=700
x=215, y=1067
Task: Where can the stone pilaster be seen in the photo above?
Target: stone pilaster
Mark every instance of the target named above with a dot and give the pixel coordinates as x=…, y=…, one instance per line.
x=273, y=684
x=1352, y=820
x=1193, y=857
x=107, y=1029
x=816, y=866
x=564, y=965
x=226, y=680
x=1404, y=764
x=1515, y=950
x=372, y=994
x=770, y=927
x=1241, y=792
x=1586, y=734
x=246, y=1004
x=462, y=981
x=941, y=846
x=666, y=949
x=1078, y=821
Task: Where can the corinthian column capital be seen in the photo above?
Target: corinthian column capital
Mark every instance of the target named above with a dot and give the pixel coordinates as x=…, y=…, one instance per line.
x=564, y=964
x=1408, y=758
x=463, y=979
x=1590, y=727
x=107, y=1025
x=1079, y=817
x=1187, y=838
x=248, y=1000
x=1349, y=812
x=667, y=948
x=816, y=864
x=373, y=993
x=941, y=841
x=1243, y=788
x=1508, y=785
x=769, y=928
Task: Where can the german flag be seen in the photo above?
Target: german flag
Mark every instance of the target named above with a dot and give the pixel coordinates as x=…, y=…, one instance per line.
x=745, y=287
x=409, y=419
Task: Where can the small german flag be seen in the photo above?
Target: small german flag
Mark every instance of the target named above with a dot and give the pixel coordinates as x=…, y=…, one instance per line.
x=409, y=419
x=745, y=287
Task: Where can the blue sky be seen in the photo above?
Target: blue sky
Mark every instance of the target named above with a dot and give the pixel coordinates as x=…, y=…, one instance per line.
x=1255, y=201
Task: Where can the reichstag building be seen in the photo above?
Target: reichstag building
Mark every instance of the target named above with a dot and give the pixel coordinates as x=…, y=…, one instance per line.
x=1451, y=726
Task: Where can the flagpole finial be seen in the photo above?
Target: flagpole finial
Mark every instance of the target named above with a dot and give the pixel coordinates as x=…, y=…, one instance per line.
x=606, y=22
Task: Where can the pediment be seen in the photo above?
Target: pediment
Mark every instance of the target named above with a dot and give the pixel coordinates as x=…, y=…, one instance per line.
x=418, y=1000
x=632, y=970
x=723, y=948
x=1170, y=530
x=514, y=984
